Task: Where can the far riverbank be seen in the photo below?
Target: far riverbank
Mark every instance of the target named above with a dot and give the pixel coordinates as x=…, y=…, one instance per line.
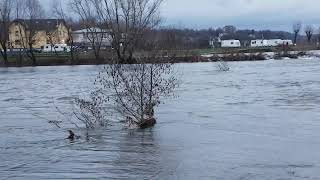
x=189, y=57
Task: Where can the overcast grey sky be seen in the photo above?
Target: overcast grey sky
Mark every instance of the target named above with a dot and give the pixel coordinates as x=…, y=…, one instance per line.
x=257, y=14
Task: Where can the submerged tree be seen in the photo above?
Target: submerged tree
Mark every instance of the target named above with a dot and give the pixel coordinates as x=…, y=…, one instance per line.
x=223, y=66
x=87, y=112
x=138, y=89
x=131, y=91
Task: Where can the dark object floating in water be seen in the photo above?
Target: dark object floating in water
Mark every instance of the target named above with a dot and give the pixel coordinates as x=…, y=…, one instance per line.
x=72, y=136
x=147, y=123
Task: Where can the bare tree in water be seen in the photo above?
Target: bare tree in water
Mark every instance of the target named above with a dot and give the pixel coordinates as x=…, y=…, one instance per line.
x=309, y=32
x=223, y=66
x=89, y=112
x=137, y=89
x=131, y=91
x=5, y=20
x=296, y=30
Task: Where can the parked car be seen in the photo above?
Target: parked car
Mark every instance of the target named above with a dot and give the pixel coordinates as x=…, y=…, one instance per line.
x=55, y=48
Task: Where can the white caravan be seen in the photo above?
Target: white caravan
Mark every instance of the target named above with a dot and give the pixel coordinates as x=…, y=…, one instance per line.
x=274, y=42
x=259, y=43
x=287, y=42
x=55, y=48
x=232, y=43
x=270, y=43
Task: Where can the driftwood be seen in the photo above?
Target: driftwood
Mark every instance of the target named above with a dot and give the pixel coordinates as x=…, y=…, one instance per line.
x=148, y=123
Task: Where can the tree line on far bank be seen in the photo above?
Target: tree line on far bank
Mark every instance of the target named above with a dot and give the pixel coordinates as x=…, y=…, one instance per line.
x=85, y=14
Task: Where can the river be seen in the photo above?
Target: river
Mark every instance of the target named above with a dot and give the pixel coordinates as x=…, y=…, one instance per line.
x=260, y=120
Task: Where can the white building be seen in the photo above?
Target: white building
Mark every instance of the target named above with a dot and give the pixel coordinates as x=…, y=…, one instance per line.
x=274, y=42
x=270, y=43
x=232, y=43
x=259, y=43
x=86, y=36
x=287, y=42
x=55, y=48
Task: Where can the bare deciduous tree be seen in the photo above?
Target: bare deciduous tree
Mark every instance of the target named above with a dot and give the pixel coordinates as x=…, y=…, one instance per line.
x=139, y=88
x=91, y=112
x=60, y=12
x=129, y=90
x=127, y=21
x=29, y=11
x=318, y=40
x=296, y=30
x=87, y=112
x=223, y=66
x=309, y=32
x=5, y=20
x=88, y=14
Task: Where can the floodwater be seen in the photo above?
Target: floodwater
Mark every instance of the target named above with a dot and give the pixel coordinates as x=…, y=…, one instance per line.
x=259, y=121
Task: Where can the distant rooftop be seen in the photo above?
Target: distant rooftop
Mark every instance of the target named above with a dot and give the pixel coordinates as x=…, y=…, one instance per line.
x=94, y=29
x=41, y=24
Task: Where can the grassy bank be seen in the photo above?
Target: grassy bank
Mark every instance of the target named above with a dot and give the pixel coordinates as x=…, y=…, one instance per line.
x=181, y=56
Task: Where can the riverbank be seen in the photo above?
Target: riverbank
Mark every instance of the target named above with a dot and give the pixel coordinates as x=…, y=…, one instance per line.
x=263, y=56
x=63, y=60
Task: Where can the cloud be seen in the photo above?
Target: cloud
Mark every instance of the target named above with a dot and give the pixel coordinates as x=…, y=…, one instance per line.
x=259, y=14
x=275, y=14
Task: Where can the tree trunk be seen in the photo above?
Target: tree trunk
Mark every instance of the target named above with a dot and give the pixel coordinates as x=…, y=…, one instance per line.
x=19, y=60
x=34, y=60
x=5, y=56
x=96, y=54
x=295, y=38
x=33, y=57
x=148, y=123
x=72, y=56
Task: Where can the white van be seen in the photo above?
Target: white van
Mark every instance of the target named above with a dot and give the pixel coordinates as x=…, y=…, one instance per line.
x=231, y=43
x=55, y=48
x=259, y=43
